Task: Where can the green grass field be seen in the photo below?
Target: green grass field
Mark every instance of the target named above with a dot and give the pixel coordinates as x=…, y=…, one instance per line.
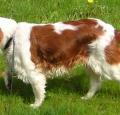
x=63, y=93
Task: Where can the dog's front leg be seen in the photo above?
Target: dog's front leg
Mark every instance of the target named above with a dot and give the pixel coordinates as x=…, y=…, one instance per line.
x=38, y=82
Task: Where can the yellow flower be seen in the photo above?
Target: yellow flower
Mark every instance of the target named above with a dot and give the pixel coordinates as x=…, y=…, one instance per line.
x=90, y=1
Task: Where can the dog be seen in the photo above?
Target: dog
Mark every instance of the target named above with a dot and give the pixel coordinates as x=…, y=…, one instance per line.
x=41, y=49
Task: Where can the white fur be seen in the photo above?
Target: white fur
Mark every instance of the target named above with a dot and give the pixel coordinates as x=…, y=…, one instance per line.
x=59, y=27
x=22, y=53
x=97, y=59
x=8, y=27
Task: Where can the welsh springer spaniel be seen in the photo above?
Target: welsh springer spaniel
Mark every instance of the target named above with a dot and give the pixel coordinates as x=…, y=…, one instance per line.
x=41, y=49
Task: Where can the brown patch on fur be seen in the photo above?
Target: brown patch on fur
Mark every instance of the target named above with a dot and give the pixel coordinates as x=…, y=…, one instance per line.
x=1, y=35
x=82, y=21
x=112, y=51
x=49, y=49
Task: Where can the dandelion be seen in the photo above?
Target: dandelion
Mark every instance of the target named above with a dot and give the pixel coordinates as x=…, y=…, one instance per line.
x=90, y=1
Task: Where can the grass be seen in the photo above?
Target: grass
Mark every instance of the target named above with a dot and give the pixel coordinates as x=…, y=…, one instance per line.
x=63, y=94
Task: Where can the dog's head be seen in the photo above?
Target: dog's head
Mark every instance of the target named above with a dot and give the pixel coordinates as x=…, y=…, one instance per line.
x=7, y=30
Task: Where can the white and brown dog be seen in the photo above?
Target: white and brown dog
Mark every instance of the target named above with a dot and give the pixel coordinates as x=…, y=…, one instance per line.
x=44, y=48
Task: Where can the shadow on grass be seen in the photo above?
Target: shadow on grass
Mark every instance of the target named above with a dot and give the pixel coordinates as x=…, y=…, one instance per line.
x=77, y=83
x=19, y=89
x=74, y=84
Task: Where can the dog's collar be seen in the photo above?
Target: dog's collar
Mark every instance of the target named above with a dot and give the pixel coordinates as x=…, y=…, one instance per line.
x=8, y=44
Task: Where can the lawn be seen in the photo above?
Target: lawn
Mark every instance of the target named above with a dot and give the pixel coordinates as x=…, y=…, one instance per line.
x=63, y=93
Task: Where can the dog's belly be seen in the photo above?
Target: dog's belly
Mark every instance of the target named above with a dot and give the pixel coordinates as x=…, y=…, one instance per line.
x=56, y=72
x=24, y=76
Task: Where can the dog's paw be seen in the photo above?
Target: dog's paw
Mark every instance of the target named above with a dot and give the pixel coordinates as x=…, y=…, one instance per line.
x=85, y=98
x=34, y=106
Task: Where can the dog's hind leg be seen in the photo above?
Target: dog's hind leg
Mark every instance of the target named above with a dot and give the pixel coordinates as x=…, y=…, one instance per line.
x=95, y=84
x=38, y=82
